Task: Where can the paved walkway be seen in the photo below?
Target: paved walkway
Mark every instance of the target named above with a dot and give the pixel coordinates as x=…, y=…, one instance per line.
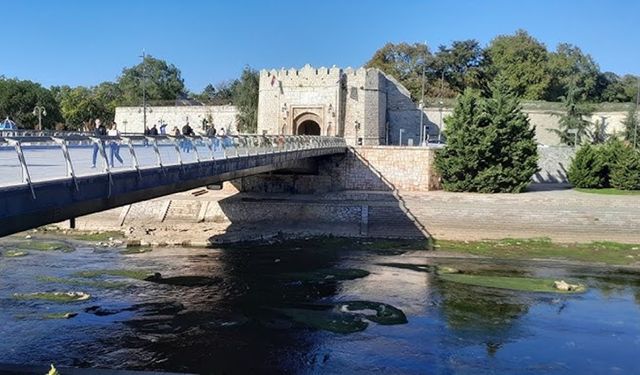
x=562, y=215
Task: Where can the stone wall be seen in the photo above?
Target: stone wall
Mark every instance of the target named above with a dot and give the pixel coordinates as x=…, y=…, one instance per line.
x=130, y=119
x=553, y=163
x=383, y=168
x=543, y=121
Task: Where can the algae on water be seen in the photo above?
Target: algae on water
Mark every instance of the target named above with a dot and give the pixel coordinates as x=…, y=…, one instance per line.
x=61, y=297
x=524, y=284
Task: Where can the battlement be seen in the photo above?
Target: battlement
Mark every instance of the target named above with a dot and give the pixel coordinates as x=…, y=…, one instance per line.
x=311, y=76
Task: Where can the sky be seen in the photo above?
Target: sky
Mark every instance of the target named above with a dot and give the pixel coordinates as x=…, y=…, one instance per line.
x=76, y=42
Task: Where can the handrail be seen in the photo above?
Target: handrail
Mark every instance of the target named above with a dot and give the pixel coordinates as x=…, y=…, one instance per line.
x=229, y=146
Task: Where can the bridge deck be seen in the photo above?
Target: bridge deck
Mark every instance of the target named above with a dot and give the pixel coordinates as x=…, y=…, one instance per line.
x=43, y=184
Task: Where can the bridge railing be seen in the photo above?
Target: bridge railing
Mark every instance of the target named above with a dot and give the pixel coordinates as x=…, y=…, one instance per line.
x=37, y=156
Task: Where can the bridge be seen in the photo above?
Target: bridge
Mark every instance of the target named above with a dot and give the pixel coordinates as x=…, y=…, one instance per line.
x=48, y=178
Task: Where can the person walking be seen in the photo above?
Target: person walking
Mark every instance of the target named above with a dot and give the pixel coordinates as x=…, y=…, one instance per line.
x=99, y=131
x=163, y=127
x=114, y=146
x=187, y=131
x=153, y=130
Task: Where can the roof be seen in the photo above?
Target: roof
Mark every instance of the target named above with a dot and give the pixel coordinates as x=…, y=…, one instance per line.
x=8, y=125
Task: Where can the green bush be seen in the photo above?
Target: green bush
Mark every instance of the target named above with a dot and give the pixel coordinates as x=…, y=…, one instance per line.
x=613, y=164
x=625, y=174
x=587, y=169
x=490, y=145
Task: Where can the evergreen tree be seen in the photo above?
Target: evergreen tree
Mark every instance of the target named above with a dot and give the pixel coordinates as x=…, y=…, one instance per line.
x=587, y=169
x=490, y=144
x=631, y=125
x=574, y=118
x=625, y=174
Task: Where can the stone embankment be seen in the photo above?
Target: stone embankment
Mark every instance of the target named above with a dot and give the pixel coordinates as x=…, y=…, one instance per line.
x=210, y=217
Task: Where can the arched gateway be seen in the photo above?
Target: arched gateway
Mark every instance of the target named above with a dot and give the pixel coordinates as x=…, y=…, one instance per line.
x=308, y=124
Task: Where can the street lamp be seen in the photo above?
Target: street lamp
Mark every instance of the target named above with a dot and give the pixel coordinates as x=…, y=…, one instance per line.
x=441, y=103
x=144, y=90
x=39, y=111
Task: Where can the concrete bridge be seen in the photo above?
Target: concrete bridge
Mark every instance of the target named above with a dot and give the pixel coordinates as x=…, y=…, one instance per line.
x=48, y=178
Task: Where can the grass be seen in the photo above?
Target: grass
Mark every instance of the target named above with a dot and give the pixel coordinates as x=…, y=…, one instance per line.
x=523, y=284
x=88, y=283
x=129, y=274
x=136, y=250
x=44, y=246
x=62, y=297
x=608, y=191
x=93, y=236
x=542, y=248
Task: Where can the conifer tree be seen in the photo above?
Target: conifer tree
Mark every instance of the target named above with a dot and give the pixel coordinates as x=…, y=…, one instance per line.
x=490, y=144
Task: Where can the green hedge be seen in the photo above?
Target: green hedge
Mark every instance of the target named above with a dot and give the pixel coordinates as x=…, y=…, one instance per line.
x=613, y=164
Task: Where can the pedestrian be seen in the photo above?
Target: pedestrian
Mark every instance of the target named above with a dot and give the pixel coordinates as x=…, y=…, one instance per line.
x=146, y=134
x=99, y=131
x=187, y=131
x=163, y=127
x=211, y=131
x=176, y=131
x=114, y=146
x=153, y=130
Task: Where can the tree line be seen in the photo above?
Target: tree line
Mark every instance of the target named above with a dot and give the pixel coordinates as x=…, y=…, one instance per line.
x=75, y=108
x=523, y=63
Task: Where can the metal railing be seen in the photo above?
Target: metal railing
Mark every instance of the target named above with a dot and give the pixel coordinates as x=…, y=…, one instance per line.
x=52, y=155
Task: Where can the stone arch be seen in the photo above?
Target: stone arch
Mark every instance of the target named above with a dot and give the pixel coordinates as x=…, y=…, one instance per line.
x=308, y=124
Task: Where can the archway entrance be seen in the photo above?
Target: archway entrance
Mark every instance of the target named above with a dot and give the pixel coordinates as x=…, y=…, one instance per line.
x=308, y=127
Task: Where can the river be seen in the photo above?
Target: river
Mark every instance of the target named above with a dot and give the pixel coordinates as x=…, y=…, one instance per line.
x=289, y=308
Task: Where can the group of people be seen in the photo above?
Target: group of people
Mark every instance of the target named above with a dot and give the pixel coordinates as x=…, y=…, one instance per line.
x=186, y=144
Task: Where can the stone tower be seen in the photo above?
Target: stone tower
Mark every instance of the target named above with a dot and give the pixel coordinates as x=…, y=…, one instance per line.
x=363, y=105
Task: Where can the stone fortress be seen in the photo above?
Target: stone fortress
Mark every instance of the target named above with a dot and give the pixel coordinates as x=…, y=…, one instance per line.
x=365, y=106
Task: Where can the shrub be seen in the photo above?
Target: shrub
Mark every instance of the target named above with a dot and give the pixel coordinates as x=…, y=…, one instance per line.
x=625, y=174
x=490, y=145
x=587, y=169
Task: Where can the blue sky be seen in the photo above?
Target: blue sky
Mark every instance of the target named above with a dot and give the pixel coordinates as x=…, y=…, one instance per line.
x=78, y=42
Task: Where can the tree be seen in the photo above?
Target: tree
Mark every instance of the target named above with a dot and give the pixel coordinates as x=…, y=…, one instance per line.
x=573, y=120
x=81, y=105
x=162, y=82
x=460, y=64
x=405, y=62
x=625, y=174
x=19, y=98
x=245, y=97
x=587, y=169
x=631, y=124
x=568, y=64
x=521, y=61
x=490, y=144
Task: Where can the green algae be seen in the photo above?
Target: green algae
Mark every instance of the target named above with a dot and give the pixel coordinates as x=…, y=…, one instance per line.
x=136, y=250
x=44, y=246
x=15, y=253
x=385, y=314
x=60, y=315
x=327, y=274
x=345, y=317
x=125, y=273
x=326, y=320
x=87, y=283
x=427, y=268
x=61, y=297
x=543, y=248
x=523, y=284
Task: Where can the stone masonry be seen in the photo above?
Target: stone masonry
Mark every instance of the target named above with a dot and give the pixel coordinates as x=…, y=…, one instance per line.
x=130, y=119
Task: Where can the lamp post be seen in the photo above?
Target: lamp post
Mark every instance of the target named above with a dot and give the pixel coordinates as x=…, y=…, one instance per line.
x=441, y=103
x=635, y=133
x=39, y=111
x=424, y=63
x=144, y=90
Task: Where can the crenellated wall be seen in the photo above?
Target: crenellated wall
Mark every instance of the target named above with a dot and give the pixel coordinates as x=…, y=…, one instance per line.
x=352, y=103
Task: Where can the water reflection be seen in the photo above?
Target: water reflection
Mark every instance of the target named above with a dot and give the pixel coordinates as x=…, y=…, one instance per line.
x=221, y=311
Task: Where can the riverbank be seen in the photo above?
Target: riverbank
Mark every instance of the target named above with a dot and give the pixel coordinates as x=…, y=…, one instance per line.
x=204, y=217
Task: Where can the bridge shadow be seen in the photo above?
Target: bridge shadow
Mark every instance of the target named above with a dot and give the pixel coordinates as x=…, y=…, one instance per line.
x=344, y=196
